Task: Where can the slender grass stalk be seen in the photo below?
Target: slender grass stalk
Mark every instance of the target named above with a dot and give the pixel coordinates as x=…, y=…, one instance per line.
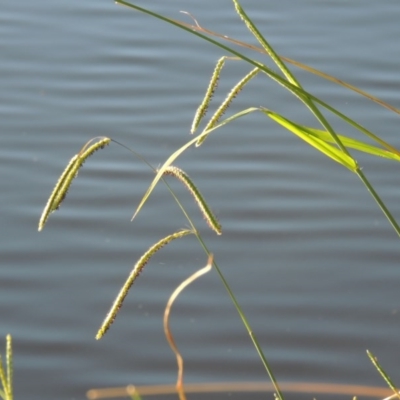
x=384, y=375
x=208, y=215
x=379, y=201
x=141, y=263
x=266, y=46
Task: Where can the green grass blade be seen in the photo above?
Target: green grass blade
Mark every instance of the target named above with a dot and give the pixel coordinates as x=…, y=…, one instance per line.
x=321, y=145
x=353, y=144
x=384, y=375
x=266, y=46
x=347, y=141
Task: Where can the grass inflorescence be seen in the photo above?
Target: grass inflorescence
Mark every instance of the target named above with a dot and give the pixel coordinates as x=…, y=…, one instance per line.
x=70, y=172
x=226, y=103
x=202, y=109
x=138, y=268
x=208, y=215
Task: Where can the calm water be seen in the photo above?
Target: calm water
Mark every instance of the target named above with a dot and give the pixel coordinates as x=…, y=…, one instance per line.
x=309, y=255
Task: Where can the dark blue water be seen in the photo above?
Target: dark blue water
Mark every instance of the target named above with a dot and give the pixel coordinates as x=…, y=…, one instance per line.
x=309, y=255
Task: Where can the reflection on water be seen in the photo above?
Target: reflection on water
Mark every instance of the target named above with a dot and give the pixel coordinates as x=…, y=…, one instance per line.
x=309, y=255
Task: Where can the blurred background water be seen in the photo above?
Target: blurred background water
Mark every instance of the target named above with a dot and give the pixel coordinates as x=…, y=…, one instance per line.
x=311, y=258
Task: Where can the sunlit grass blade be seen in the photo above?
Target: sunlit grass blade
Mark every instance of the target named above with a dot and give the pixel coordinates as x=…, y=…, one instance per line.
x=353, y=144
x=384, y=375
x=178, y=152
x=266, y=46
x=347, y=141
x=138, y=268
x=321, y=145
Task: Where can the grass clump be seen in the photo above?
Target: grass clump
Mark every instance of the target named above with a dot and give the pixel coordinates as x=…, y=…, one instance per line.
x=323, y=138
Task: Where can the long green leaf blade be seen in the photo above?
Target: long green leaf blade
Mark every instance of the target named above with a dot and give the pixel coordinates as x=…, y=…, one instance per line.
x=353, y=144
x=325, y=148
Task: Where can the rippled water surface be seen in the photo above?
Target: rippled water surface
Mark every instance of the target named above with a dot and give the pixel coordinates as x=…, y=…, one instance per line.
x=309, y=255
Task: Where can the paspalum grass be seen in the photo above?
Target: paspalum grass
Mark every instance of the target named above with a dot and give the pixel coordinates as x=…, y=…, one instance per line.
x=138, y=268
x=325, y=139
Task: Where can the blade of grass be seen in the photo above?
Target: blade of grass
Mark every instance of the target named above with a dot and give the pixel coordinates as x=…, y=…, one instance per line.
x=323, y=135
x=266, y=46
x=321, y=145
x=384, y=375
x=353, y=143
